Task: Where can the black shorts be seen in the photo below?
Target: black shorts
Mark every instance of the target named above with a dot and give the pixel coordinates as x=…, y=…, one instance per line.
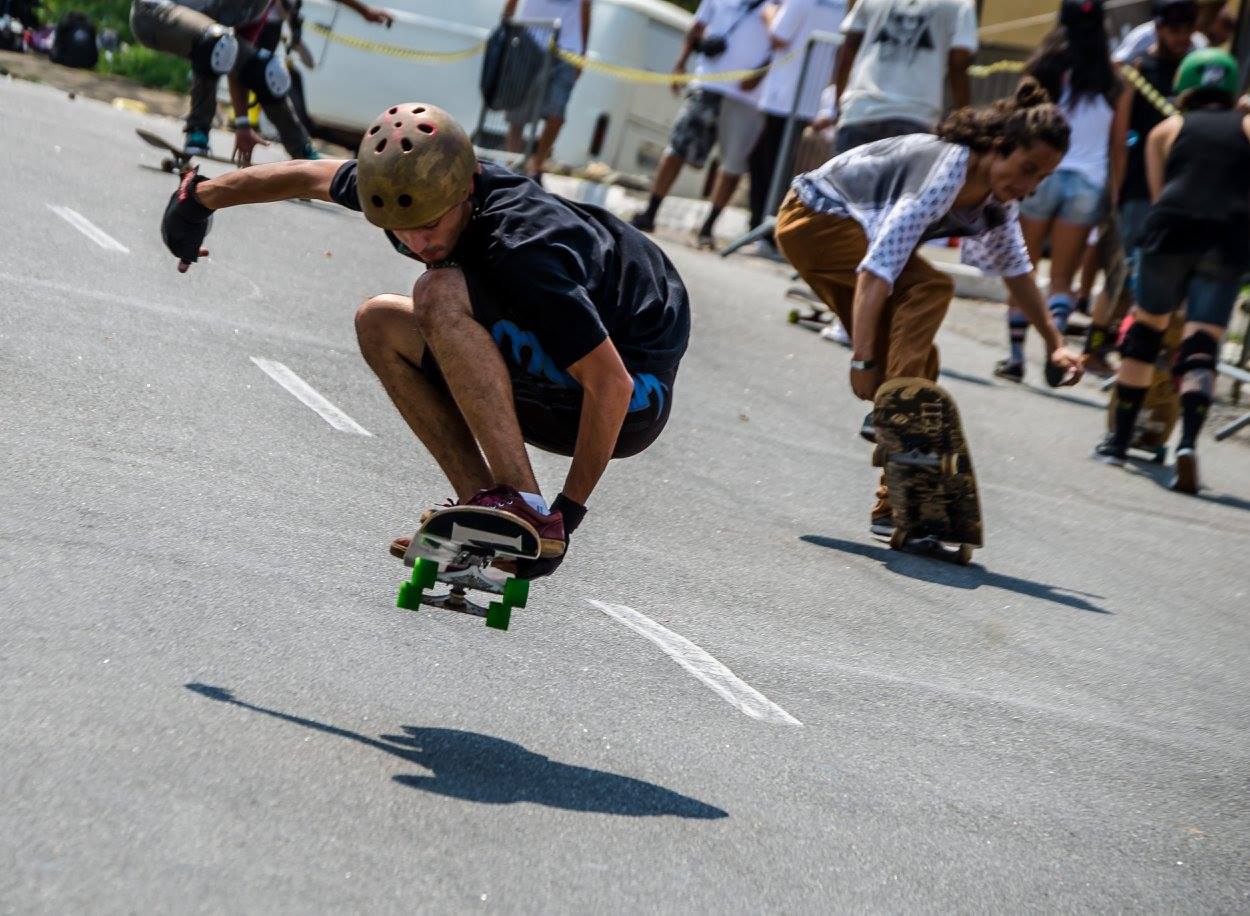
x=548, y=407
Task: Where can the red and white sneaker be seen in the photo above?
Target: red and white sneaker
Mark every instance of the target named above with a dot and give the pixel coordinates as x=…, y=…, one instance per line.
x=549, y=527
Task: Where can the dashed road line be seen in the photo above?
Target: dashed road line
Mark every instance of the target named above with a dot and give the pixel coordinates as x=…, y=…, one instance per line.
x=698, y=662
x=89, y=229
x=309, y=396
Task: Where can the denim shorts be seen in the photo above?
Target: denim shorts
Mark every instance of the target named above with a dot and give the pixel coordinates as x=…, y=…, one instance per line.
x=1201, y=281
x=1067, y=195
x=555, y=100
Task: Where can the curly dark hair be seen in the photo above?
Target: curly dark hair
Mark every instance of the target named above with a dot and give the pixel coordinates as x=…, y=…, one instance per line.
x=1026, y=118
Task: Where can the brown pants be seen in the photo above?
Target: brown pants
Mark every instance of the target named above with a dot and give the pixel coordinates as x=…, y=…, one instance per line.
x=826, y=250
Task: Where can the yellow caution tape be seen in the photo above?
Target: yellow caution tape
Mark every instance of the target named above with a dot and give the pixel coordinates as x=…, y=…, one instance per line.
x=631, y=75
x=1149, y=92
x=378, y=47
x=1002, y=66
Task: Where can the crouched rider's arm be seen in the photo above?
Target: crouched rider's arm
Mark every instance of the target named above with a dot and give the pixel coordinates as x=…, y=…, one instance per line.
x=188, y=215
x=607, y=390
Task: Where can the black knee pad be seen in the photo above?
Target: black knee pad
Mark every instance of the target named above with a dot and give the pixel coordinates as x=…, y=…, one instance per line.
x=1195, y=364
x=1142, y=343
x=266, y=75
x=216, y=52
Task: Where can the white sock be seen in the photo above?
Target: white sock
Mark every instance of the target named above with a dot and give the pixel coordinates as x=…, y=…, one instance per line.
x=536, y=502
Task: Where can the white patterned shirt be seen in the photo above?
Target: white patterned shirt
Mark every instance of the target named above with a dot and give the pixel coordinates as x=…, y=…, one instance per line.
x=902, y=192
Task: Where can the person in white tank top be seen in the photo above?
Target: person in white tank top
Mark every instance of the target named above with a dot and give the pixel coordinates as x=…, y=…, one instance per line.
x=1074, y=65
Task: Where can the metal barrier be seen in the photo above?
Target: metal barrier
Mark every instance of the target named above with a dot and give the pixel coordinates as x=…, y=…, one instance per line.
x=816, y=72
x=513, y=92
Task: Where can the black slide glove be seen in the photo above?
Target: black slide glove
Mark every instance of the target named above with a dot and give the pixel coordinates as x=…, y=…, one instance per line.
x=573, y=514
x=186, y=221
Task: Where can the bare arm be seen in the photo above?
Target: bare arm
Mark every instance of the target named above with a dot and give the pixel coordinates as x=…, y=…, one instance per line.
x=261, y=184
x=693, y=35
x=606, y=392
x=509, y=9
x=1118, y=151
x=957, y=63
x=585, y=26
x=846, y=60
x=871, y=293
x=372, y=14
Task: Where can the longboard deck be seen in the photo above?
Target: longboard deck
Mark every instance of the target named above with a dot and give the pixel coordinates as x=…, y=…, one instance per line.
x=175, y=160
x=461, y=547
x=928, y=470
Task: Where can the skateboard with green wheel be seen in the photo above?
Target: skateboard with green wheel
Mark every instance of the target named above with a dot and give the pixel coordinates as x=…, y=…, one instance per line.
x=932, y=487
x=464, y=547
x=816, y=317
x=175, y=159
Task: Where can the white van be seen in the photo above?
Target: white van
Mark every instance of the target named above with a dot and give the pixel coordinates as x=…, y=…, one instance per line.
x=622, y=124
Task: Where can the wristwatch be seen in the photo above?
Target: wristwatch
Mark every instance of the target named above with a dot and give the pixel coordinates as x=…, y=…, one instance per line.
x=863, y=364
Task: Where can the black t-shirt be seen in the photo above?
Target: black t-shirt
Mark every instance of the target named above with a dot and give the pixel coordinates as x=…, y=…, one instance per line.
x=1142, y=120
x=572, y=275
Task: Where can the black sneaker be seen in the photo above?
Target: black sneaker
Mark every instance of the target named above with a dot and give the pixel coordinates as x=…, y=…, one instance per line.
x=868, y=429
x=704, y=240
x=1107, y=453
x=643, y=221
x=1006, y=369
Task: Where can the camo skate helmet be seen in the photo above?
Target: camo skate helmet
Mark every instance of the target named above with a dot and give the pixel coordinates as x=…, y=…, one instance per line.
x=1209, y=68
x=414, y=164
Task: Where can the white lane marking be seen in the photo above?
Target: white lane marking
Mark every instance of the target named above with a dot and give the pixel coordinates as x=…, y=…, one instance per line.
x=309, y=396
x=711, y=672
x=89, y=229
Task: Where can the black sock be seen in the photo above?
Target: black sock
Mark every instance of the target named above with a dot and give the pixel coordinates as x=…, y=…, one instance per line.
x=1194, y=406
x=1097, y=339
x=710, y=221
x=1017, y=328
x=1128, y=401
x=653, y=206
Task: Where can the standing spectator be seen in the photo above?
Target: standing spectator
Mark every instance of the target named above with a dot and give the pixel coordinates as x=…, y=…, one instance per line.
x=730, y=35
x=574, y=17
x=789, y=27
x=1210, y=25
x=897, y=56
x=1074, y=66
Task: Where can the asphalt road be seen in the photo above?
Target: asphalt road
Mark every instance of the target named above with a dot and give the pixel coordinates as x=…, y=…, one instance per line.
x=210, y=702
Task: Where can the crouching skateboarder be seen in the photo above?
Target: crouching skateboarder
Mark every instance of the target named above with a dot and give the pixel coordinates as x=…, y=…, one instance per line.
x=536, y=320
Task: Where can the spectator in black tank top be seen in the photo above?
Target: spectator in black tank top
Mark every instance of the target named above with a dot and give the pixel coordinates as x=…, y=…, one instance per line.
x=1175, y=22
x=1195, y=248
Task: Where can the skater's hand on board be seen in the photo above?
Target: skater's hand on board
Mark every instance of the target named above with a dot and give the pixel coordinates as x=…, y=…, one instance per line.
x=1064, y=368
x=573, y=513
x=245, y=141
x=864, y=382
x=186, y=222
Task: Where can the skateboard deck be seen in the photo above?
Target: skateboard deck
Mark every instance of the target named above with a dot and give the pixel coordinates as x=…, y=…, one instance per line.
x=1162, y=406
x=928, y=470
x=461, y=547
x=816, y=317
x=175, y=160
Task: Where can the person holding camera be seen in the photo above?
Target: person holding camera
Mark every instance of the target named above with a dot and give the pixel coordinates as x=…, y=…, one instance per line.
x=729, y=36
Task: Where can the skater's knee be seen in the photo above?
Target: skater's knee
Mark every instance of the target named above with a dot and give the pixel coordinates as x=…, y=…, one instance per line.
x=215, y=52
x=1196, y=360
x=265, y=74
x=1142, y=342
x=438, y=294
x=384, y=324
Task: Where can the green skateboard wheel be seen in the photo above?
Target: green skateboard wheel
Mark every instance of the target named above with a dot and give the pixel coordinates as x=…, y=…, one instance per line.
x=793, y=317
x=409, y=597
x=516, y=592
x=498, y=615
x=424, y=573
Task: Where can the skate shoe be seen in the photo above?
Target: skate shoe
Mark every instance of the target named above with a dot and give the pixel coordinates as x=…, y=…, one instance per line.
x=642, y=221
x=550, y=527
x=1185, y=480
x=881, y=519
x=399, y=546
x=196, y=143
x=308, y=152
x=1006, y=369
x=868, y=429
x=704, y=241
x=837, y=333
x=1107, y=453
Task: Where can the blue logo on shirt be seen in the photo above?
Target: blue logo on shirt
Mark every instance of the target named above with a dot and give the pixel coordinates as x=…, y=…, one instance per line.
x=515, y=341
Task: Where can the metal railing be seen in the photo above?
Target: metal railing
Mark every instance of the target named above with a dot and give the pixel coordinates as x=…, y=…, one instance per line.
x=815, y=73
x=514, y=86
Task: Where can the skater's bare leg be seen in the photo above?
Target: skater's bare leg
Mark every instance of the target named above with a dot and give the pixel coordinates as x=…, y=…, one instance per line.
x=475, y=373
x=392, y=346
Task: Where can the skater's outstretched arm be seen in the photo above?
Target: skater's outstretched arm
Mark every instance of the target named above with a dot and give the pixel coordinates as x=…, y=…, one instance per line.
x=188, y=216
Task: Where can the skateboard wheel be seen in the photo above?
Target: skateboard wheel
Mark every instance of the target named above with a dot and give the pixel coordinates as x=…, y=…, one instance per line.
x=898, y=538
x=880, y=455
x=950, y=464
x=409, y=597
x=167, y=165
x=964, y=555
x=498, y=615
x=793, y=317
x=424, y=573
x=516, y=592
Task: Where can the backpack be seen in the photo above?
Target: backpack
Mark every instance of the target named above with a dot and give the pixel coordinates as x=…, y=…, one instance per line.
x=74, y=42
x=510, y=66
